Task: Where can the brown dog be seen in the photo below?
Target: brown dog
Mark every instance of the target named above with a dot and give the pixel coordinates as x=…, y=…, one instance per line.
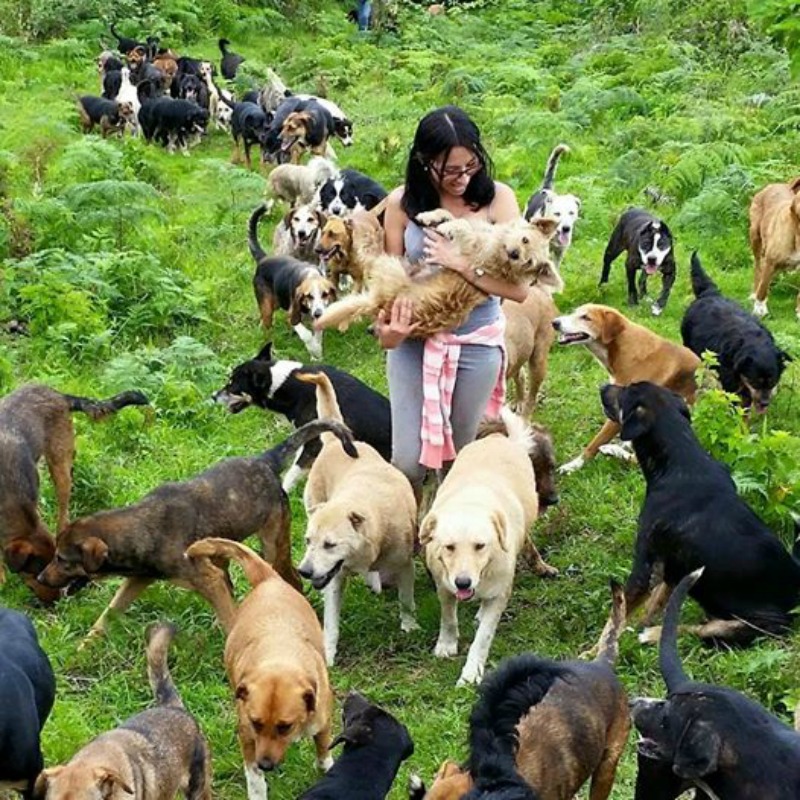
x=146, y=541
x=152, y=756
x=275, y=659
x=348, y=246
x=630, y=353
x=529, y=336
x=36, y=423
x=774, y=237
x=570, y=718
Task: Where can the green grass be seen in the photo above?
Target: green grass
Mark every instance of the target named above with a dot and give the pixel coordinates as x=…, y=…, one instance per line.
x=660, y=107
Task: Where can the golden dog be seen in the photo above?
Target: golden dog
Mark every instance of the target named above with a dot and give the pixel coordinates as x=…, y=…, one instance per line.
x=774, y=237
x=275, y=659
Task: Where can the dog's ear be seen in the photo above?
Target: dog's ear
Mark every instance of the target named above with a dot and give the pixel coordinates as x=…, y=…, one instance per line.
x=241, y=693
x=795, y=185
x=500, y=523
x=698, y=751
x=546, y=225
x=426, y=529
x=356, y=519
x=295, y=309
x=94, y=552
x=287, y=218
x=321, y=218
x=265, y=353
x=635, y=422
x=611, y=325
x=310, y=698
x=107, y=780
x=357, y=733
x=40, y=787
x=17, y=553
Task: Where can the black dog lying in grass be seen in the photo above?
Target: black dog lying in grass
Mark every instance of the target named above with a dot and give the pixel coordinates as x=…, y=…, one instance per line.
x=375, y=744
x=750, y=363
x=709, y=737
x=692, y=517
x=27, y=692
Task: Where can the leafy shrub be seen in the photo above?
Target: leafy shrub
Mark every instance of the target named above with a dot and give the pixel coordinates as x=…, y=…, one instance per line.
x=779, y=20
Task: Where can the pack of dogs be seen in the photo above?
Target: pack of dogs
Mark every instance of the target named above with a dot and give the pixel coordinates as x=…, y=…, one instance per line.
x=540, y=729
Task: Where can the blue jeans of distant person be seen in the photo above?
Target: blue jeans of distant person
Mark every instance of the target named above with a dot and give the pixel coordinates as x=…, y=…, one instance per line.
x=364, y=14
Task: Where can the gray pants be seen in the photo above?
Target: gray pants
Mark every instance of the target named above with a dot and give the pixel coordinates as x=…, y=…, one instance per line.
x=478, y=366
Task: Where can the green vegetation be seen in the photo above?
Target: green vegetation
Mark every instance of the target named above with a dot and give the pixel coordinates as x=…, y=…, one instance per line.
x=131, y=269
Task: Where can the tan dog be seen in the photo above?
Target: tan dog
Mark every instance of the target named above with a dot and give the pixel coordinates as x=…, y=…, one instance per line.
x=630, y=353
x=516, y=251
x=275, y=659
x=297, y=183
x=362, y=519
x=152, y=756
x=529, y=336
x=476, y=528
x=774, y=237
x=349, y=246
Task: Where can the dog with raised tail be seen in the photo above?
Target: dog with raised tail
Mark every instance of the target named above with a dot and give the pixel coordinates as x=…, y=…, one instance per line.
x=564, y=208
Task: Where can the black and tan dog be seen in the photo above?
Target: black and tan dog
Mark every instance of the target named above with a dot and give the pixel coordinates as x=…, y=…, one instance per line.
x=109, y=115
x=27, y=692
x=145, y=542
x=708, y=737
x=154, y=755
x=749, y=363
x=307, y=129
x=36, y=423
x=289, y=284
x=582, y=707
x=692, y=517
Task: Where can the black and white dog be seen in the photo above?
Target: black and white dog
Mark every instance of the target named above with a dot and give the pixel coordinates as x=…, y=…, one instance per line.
x=342, y=126
x=565, y=208
x=348, y=192
x=272, y=384
x=27, y=692
x=750, y=364
x=649, y=244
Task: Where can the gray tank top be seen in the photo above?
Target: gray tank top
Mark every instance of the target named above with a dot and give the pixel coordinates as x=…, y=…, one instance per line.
x=484, y=314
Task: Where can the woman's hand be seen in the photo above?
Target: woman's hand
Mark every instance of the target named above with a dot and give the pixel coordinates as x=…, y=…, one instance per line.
x=440, y=251
x=399, y=325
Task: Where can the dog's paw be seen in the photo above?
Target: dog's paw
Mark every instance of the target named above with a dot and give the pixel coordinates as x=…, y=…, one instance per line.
x=432, y=219
x=656, y=310
x=544, y=570
x=470, y=675
x=408, y=624
x=760, y=308
x=572, y=466
x=445, y=649
x=325, y=763
x=618, y=451
x=650, y=635
x=373, y=581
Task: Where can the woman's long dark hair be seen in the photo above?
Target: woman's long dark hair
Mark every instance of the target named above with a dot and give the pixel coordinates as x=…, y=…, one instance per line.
x=437, y=134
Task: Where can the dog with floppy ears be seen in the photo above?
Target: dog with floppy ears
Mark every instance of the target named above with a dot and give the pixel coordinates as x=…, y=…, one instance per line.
x=629, y=353
x=292, y=285
x=151, y=756
x=709, y=737
x=275, y=659
x=362, y=519
x=477, y=526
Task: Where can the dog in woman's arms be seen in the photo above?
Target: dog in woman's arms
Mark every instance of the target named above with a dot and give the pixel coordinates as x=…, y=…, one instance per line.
x=516, y=251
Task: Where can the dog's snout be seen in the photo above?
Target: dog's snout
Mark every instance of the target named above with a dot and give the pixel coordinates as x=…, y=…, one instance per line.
x=317, y=313
x=305, y=572
x=463, y=582
x=557, y=324
x=266, y=764
x=550, y=500
x=513, y=254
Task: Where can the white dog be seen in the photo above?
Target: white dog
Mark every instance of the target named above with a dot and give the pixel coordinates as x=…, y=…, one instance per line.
x=298, y=183
x=475, y=530
x=128, y=94
x=297, y=234
x=564, y=208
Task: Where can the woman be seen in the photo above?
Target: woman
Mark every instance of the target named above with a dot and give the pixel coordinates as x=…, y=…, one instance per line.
x=441, y=387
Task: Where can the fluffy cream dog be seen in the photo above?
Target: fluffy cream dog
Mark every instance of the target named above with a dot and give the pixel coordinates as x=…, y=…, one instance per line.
x=362, y=519
x=297, y=183
x=516, y=251
x=475, y=530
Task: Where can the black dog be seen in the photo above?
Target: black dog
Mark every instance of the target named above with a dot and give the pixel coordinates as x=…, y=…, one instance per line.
x=109, y=115
x=350, y=191
x=249, y=126
x=710, y=737
x=692, y=517
x=273, y=385
x=27, y=692
x=172, y=122
x=229, y=63
x=112, y=82
x=124, y=43
x=649, y=245
x=192, y=88
x=375, y=744
x=750, y=363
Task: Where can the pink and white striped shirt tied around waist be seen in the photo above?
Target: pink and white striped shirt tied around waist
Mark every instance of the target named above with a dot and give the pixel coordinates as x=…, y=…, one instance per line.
x=439, y=369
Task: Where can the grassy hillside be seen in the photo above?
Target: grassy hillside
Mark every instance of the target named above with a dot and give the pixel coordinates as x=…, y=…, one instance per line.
x=130, y=268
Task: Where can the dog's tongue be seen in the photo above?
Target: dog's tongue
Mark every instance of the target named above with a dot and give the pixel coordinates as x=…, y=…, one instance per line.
x=464, y=594
x=651, y=269
x=563, y=237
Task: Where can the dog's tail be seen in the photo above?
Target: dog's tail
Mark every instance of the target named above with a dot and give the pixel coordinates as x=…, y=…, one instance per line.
x=327, y=404
x=159, y=637
x=223, y=46
x=97, y=409
x=552, y=165
x=701, y=284
x=256, y=250
x=255, y=569
x=278, y=456
x=608, y=646
x=114, y=33
x=668, y=658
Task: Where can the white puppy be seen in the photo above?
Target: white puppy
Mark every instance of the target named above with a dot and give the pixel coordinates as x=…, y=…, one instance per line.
x=297, y=234
x=475, y=530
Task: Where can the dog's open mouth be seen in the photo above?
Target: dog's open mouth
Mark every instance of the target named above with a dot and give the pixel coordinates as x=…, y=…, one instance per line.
x=651, y=269
x=327, y=255
x=465, y=594
x=287, y=144
x=648, y=748
x=234, y=403
x=573, y=338
x=323, y=580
